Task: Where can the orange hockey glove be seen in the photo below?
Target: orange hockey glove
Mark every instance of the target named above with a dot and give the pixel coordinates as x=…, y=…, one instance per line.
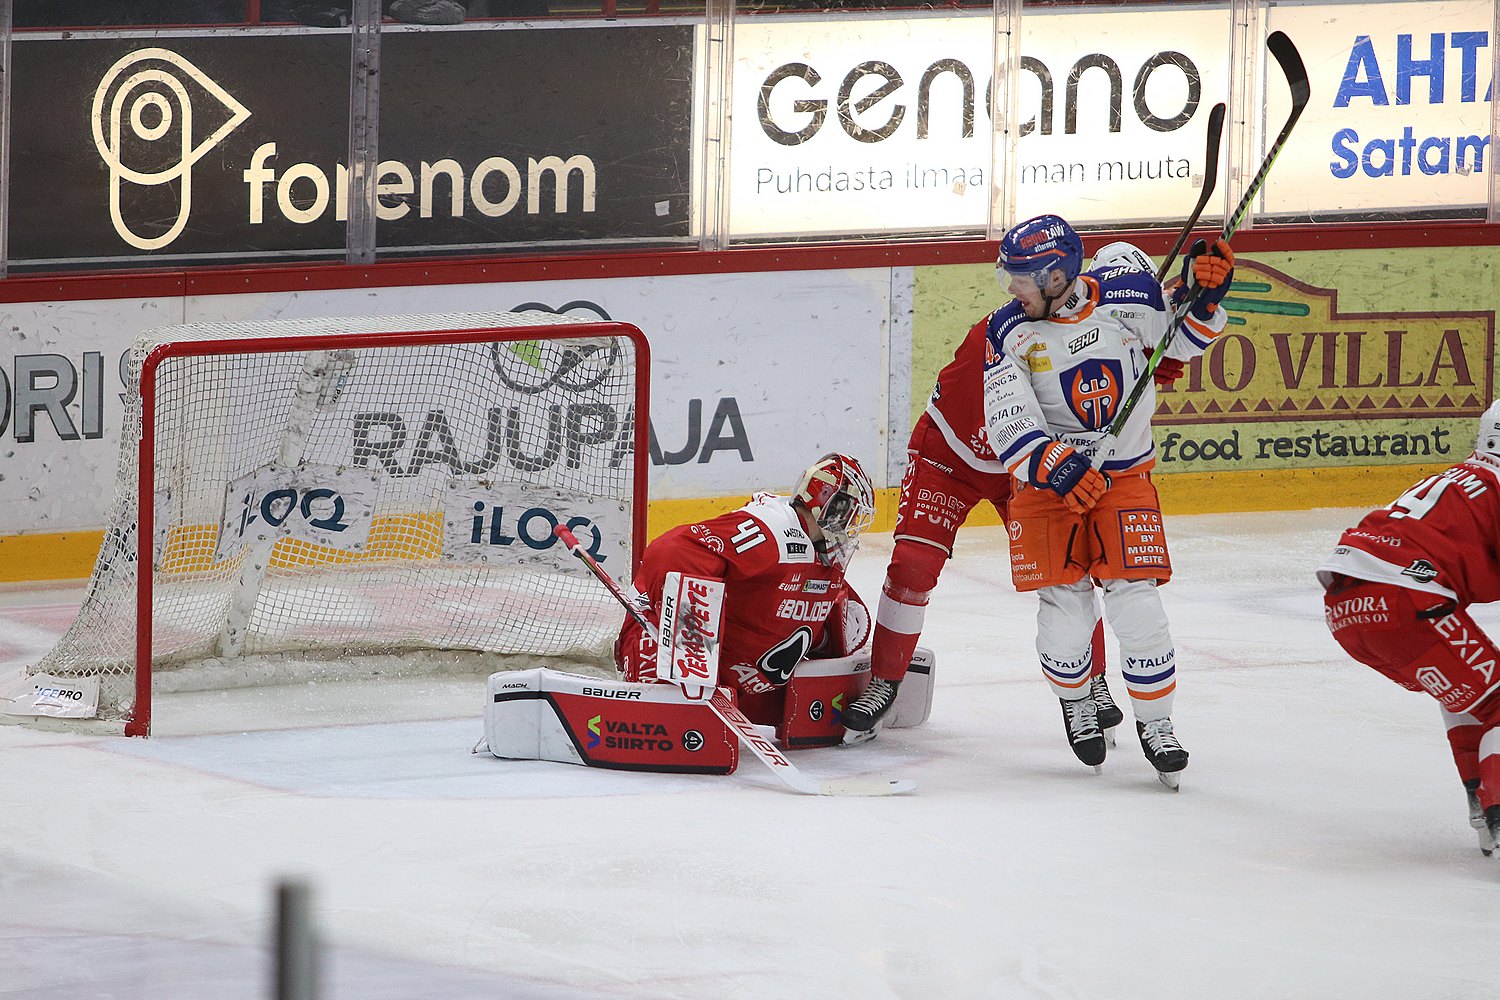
x=1213, y=271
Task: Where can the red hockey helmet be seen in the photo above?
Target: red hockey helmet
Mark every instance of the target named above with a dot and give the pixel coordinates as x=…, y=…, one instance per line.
x=841, y=500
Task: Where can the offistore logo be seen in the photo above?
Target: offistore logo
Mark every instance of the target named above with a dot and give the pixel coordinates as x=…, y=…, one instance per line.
x=144, y=106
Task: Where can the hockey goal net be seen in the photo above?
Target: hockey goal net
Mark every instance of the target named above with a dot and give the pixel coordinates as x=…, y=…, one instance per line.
x=326, y=489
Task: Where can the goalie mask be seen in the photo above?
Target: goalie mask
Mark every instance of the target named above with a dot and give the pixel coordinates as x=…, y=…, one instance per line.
x=1487, y=442
x=841, y=501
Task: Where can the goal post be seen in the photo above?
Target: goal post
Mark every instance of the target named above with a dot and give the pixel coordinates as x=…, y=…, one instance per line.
x=327, y=490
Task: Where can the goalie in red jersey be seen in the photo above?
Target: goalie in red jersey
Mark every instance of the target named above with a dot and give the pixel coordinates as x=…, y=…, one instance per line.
x=784, y=597
x=1398, y=588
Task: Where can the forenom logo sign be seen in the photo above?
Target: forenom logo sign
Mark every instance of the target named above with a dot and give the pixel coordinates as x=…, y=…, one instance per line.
x=145, y=121
x=155, y=100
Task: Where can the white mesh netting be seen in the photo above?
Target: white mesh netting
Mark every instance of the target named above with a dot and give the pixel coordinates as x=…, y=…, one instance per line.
x=349, y=501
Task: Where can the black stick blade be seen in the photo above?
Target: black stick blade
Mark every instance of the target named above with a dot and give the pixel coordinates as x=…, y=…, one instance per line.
x=1211, y=157
x=1292, y=68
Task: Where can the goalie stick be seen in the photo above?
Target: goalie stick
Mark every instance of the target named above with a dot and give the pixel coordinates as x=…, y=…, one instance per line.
x=750, y=737
x=1290, y=61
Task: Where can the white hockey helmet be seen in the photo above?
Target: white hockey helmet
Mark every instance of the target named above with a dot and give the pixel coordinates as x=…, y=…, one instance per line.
x=841, y=500
x=1122, y=255
x=1487, y=442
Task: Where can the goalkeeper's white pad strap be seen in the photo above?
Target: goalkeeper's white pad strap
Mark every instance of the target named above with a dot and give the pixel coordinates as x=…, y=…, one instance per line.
x=687, y=651
x=546, y=714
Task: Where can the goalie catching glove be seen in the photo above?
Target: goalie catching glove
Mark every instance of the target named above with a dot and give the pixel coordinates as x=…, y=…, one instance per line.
x=1212, y=270
x=1060, y=468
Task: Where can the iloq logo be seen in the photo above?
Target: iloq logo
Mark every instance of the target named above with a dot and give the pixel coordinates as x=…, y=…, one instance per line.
x=149, y=133
x=323, y=509
x=321, y=504
x=533, y=528
x=502, y=522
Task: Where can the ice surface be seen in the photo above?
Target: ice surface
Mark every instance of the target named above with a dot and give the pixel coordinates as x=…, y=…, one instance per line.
x=1319, y=846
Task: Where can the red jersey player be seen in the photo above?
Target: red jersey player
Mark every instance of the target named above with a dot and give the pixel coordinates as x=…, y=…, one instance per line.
x=1398, y=588
x=950, y=470
x=782, y=560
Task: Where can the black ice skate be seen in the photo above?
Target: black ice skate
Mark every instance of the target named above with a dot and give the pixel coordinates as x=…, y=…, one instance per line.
x=1081, y=718
x=1110, y=715
x=1161, y=748
x=1477, y=818
x=866, y=711
x=1492, y=830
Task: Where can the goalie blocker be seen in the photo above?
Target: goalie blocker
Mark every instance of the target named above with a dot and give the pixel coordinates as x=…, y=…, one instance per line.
x=543, y=714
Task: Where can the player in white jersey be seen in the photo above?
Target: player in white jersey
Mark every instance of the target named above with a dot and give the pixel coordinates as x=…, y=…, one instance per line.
x=950, y=470
x=1061, y=359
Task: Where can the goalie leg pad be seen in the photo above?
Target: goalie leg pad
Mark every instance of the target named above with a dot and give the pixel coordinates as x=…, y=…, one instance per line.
x=546, y=714
x=819, y=690
x=914, y=697
x=815, y=699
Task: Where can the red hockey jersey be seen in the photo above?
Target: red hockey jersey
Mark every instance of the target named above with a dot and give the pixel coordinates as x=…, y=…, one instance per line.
x=956, y=407
x=1441, y=536
x=781, y=603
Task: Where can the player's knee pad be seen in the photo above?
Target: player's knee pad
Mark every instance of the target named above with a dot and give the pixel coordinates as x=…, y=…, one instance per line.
x=1065, y=618
x=1136, y=614
x=914, y=569
x=908, y=585
x=546, y=714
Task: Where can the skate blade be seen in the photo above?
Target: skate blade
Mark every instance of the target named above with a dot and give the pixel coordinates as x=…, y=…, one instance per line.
x=1098, y=768
x=1486, y=843
x=853, y=737
x=1172, y=779
x=1109, y=736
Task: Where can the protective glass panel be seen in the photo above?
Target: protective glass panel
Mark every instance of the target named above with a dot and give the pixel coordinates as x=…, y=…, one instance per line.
x=1113, y=104
x=858, y=121
x=138, y=144
x=511, y=134
x=1398, y=125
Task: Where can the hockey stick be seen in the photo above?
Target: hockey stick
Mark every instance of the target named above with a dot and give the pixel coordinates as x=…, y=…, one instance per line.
x=750, y=737
x=1210, y=181
x=1287, y=57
